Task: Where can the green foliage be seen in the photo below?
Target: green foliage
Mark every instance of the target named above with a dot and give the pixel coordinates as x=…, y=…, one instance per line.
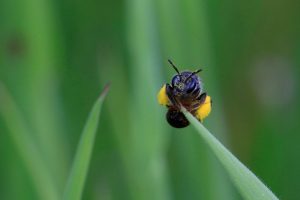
x=56, y=55
x=20, y=134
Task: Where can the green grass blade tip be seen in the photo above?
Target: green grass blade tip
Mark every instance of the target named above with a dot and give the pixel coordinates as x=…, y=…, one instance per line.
x=75, y=184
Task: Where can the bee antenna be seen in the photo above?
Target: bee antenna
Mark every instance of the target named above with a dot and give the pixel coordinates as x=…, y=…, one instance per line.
x=171, y=63
x=195, y=72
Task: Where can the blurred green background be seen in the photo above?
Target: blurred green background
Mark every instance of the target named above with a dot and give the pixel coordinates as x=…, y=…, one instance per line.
x=56, y=56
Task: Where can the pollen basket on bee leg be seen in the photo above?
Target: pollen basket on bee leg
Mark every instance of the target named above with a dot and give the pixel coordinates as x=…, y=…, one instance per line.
x=162, y=97
x=204, y=109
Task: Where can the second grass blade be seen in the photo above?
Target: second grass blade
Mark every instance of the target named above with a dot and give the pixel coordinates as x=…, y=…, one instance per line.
x=81, y=161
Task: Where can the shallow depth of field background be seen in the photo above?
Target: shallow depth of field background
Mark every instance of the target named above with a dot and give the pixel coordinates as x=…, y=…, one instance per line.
x=56, y=56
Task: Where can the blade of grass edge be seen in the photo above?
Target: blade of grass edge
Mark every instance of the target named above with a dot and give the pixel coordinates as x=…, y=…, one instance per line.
x=81, y=161
x=246, y=182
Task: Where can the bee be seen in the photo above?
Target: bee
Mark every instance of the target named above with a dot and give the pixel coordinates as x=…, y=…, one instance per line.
x=185, y=89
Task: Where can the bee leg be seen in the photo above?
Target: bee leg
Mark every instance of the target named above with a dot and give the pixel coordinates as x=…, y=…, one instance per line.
x=202, y=97
x=169, y=91
x=194, y=106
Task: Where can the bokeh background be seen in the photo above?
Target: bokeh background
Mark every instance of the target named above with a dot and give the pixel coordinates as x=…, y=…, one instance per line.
x=56, y=56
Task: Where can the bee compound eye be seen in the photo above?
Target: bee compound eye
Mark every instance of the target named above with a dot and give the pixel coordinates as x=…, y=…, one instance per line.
x=175, y=80
x=176, y=119
x=191, y=86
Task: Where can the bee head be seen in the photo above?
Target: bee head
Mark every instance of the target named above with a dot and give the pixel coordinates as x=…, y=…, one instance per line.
x=186, y=83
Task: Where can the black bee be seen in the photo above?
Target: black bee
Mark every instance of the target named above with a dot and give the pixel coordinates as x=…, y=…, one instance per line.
x=185, y=90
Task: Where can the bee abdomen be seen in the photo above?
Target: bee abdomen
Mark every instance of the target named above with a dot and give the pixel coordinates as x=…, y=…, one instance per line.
x=176, y=119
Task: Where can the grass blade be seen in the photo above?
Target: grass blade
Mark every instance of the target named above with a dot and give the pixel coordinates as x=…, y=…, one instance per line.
x=21, y=135
x=145, y=158
x=246, y=182
x=81, y=161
